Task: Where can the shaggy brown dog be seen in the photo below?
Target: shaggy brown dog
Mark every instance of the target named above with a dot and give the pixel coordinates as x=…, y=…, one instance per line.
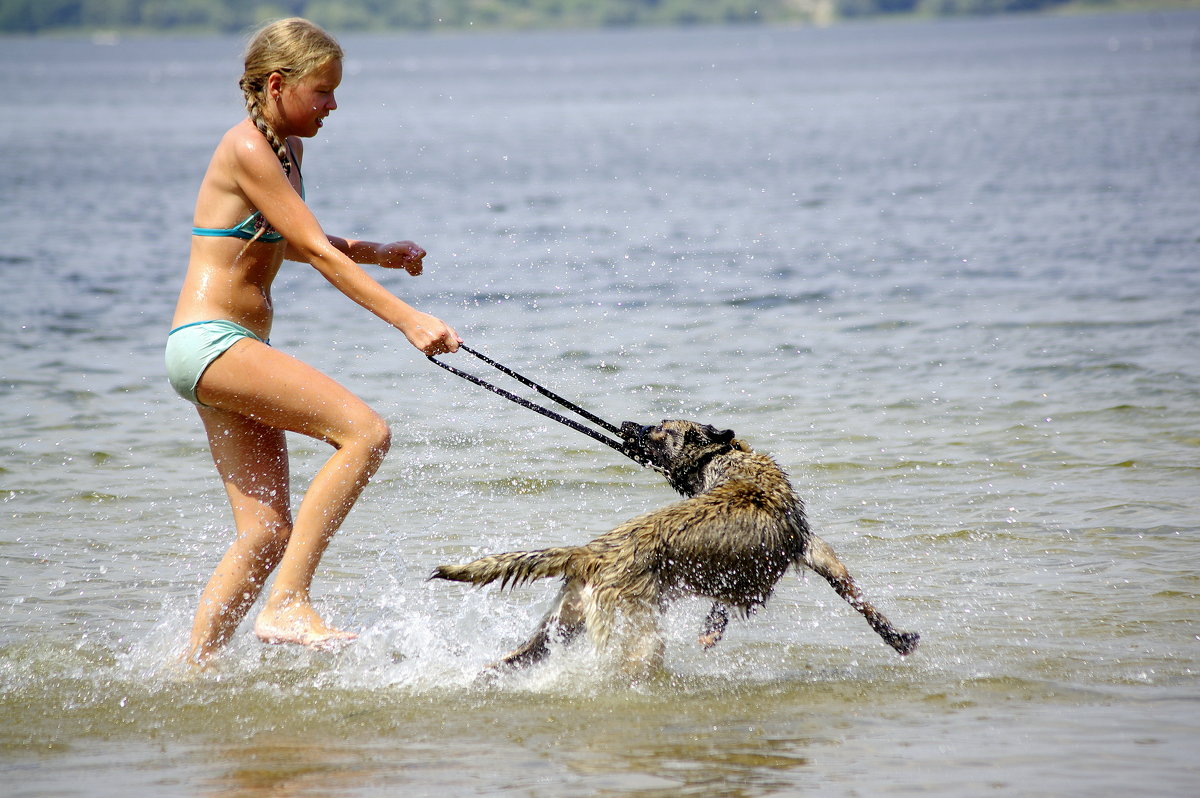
x=730, y=541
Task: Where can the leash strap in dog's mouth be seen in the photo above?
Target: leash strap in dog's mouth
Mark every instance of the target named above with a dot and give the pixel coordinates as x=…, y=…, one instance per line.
x=620, y=445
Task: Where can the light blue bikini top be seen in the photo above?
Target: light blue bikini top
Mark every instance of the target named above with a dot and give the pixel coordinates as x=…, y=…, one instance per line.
x=249, y=226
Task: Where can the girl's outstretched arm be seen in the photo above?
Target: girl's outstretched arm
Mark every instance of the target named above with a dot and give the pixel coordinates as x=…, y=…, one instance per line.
x=266, y=187
x=395, y=255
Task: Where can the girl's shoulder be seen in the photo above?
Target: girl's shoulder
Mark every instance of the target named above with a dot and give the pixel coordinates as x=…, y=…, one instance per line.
x=244, y=137
x=244, y=148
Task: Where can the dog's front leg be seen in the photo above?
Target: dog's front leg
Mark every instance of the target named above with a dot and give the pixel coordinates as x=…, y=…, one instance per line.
x=820, y=557
x=642, y=648
x=714, y=626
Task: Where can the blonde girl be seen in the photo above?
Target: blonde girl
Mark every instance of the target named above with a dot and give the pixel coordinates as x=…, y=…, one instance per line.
x=249, y=394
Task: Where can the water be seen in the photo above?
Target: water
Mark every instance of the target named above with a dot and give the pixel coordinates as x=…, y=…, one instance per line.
x=944, y=272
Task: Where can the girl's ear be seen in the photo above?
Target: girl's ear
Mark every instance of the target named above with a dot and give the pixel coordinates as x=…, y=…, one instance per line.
x=274, y=85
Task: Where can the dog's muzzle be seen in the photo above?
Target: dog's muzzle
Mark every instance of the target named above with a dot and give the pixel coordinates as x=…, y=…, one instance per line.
x=634, y=436
x=633, y=431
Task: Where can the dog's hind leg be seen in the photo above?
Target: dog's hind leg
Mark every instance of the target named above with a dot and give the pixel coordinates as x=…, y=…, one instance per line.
x=714, y=626
x=562, y=624
x=820, y=557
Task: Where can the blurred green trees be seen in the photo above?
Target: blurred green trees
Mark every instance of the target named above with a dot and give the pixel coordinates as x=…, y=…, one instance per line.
x=34, y=16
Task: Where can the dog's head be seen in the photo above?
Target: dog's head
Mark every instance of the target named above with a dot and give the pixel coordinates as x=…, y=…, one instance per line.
x=680, y=449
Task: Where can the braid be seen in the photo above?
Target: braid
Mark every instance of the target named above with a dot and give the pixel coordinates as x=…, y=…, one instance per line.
x=254, y=109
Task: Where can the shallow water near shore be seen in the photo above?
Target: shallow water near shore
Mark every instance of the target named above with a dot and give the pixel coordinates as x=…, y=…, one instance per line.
x=945, y=273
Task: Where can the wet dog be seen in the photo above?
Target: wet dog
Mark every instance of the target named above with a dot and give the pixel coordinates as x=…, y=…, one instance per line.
x=730, y=540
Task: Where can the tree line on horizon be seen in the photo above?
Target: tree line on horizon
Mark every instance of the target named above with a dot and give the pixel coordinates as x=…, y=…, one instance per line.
x=38, y=16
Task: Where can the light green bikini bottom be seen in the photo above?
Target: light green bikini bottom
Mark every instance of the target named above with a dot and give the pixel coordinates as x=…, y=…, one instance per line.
x=191, y=348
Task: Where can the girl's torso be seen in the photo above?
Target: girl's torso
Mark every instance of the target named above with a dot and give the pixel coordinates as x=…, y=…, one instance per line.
x=229, y=276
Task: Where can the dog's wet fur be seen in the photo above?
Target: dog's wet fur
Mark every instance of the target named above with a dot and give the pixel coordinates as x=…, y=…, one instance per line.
x=730, y=541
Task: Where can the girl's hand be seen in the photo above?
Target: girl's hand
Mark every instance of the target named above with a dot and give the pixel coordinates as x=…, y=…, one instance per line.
x=402, y=255
x=430, y=334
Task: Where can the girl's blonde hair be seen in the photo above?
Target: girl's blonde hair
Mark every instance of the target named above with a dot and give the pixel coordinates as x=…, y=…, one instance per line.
x=292, y=47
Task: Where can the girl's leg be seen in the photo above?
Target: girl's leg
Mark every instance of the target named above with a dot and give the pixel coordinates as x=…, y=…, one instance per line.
x=273, y=390
x=253, y=463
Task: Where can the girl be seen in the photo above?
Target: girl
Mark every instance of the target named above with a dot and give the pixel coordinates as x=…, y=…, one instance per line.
x=248, y=394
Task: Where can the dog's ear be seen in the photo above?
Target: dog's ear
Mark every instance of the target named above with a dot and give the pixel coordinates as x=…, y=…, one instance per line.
x=719, y=435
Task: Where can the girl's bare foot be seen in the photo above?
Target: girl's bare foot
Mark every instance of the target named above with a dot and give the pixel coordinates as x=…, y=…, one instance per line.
x=300, y=625
x=197, y=661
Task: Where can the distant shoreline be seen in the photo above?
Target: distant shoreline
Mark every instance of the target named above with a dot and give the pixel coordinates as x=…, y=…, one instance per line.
x=103, y=34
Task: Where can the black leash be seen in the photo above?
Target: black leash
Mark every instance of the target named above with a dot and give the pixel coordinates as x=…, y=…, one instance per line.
x=620, y=444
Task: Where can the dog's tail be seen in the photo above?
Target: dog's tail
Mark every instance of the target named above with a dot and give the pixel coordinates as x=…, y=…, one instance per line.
x=512, y=568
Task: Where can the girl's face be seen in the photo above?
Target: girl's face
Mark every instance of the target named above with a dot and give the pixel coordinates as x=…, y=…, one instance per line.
x=305, y=102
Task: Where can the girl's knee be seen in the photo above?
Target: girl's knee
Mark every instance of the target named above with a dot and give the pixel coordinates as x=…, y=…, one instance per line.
x=371, y=435
x=272, y=552
x=258, y=547
x=379, y=436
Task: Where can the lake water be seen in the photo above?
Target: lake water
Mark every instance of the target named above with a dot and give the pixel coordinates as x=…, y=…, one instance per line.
x=946, y=273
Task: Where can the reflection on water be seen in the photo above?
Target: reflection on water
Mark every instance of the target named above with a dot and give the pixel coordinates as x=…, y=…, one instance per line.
x=943, y=272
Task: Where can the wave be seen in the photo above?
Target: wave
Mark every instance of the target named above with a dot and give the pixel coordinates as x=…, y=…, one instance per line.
x=778, y=300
